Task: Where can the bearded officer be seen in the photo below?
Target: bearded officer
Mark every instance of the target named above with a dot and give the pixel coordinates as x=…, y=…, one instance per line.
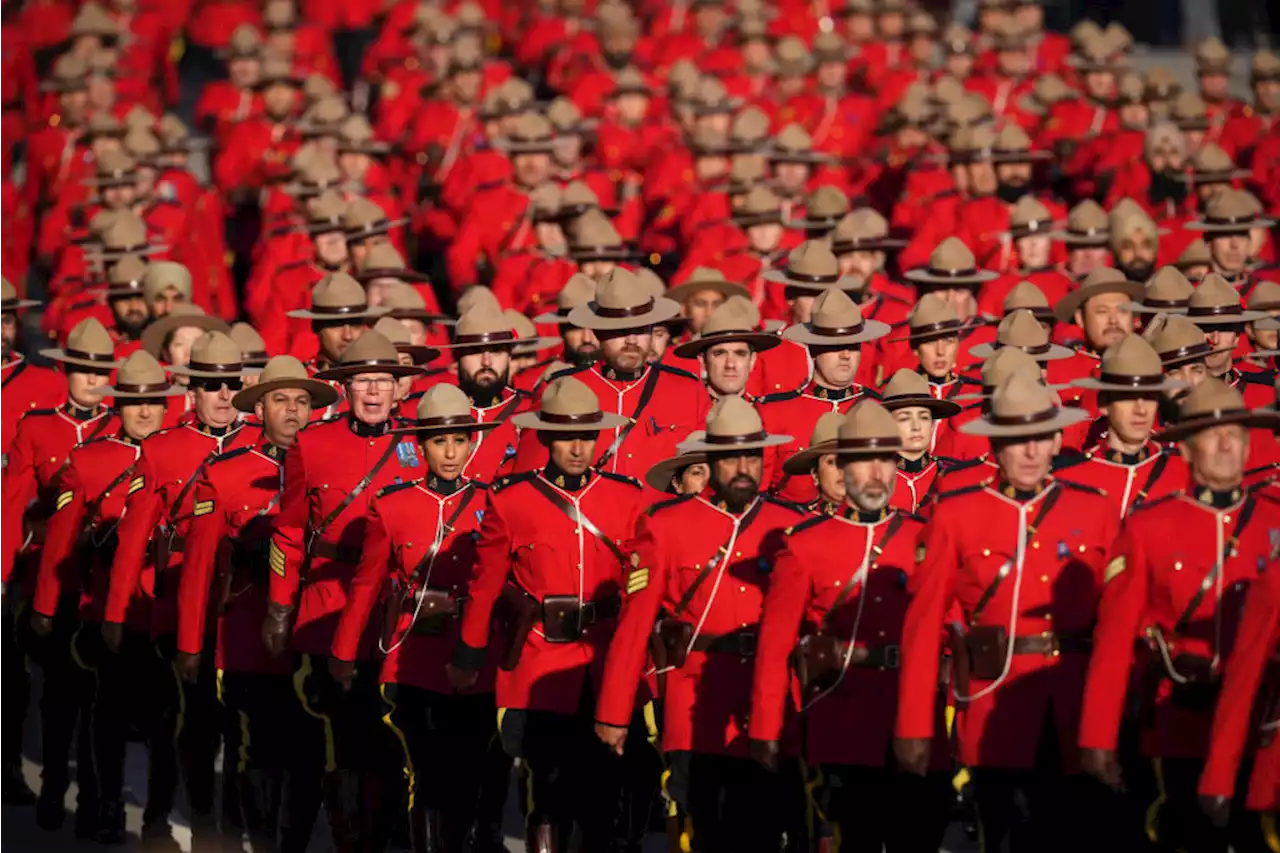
x=848, y=656
x=703, y=560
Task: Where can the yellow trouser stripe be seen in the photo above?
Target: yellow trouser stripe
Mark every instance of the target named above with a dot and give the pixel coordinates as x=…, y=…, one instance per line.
x=1269, y=834
x=672, y=808
x=1153, y=811
x=217, y=682
x=404, y=743
x=330, y=751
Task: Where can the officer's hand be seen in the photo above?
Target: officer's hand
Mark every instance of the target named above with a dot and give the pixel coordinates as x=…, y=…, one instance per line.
x=342, y=671
x=912, y=754
x=614, y=737
x=113, y=636
x=276, y=627
x=461, y=679
x=765, y=753
x=188, y=666
x=41, y=625
x=1218, y=809
x=1102, y=765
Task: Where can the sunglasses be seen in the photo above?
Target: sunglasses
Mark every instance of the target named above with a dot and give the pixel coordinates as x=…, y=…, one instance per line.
x=213, y=386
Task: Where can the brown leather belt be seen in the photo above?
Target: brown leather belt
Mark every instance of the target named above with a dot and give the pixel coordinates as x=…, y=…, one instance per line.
x=563, y=618
x=1051, y=644
x=888, y=656
x=333, y=551
x=741, y=643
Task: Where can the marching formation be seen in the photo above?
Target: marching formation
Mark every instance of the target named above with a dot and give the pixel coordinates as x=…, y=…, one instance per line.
x=778, y=425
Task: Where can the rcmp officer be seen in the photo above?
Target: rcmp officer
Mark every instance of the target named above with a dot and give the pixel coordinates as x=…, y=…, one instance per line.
x=1167, y=292
x=33, y=467
x=703, y=560
x=25, y=386
x=149, y=559
x=952, y=273
x=236, y=499
x=660, y=403
x=918, y=414
x=1215, y=307
x=847, y=659
x=549, y=549
x=817, y=463
x=1125, y=464
x=111, y=691
x=682, y=474
x=331, y=473
x=1183, y=594
x=727, y=348
x=702, y=293
x=579, y=346
x=1025, y=582
x=430, y=577
x=834, y=337
x=1100, y=307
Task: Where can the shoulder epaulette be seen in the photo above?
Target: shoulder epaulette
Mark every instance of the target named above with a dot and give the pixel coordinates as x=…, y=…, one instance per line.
x=963, y=490
x=1081, y=487
x=1070, y=459
x=785, y=504
x=868, y=391
x=511, y=480
x=959, y=464
x=621, y=478
x=568, y=370
x=1146, y=505
x=807, y=523
x=479, y=484
x=678, y=371
x=779, y=396
x=29, y=412
x=232, y=454
x=679, y=499
x=398, y=487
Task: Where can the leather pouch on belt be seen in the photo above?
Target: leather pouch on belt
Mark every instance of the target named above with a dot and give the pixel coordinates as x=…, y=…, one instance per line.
x=818, y=661
x=560, y=618
x=988, y=647
x=435, y=609
x=517, y=612
x=669, y=643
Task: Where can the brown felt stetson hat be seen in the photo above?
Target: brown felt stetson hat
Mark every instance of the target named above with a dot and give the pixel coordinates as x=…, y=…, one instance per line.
x=931, y=318
x=253, y=349
x=484, y=326
x=1087, y=225
x=825, y=208
x=821, y=442
x=445, y=408
x=736, y=319
x=623, y=302
x=1130, y=365
x=127, y=277
x=568, y=406
x=1023, y=407
x=386, y=262
x=868, y=429
x=760, y=207
x=1195, y=255
x=182, y=315
x=1211, y=165
x=114, y=169
x=793, y=144
x=532, y=134
x=1166, y=292
x=1021, y=330
x=593, y=238
x=1099, y=281
x=999, y=366
x=355, y=136
x=9, y=301
x=577, y=291
x=337, y=296
x=835, y=320
x=950, y=265
x=812, y=267
x=1012, y=145
x=89, y=345
x=285, y=371
x=324, y=118
x=1025, y=296
x=316, y=174
x=141, y=377
x=907, y=389
x=1180, y=341
x=733, y=425
x=70, y=73
x=1230, y=212
x=125, y=234
x=660, y=474
x=1265, y=296
x=863, y=229
x=277, y=69
x=1215, y=403
x=1216, y=303
x=324, y=215
x=705, y=278
x=527, y=339
x=1029, y=216
x=214, y=356
x=394, y=331
x=372, y=352
x=403, y=302
x=363, y=219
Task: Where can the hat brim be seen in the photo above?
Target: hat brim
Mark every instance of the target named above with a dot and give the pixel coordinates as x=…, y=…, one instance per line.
x=173, y=390
x=60, y=355
x=245, y=370
x=1250, y=418
x=100, y=252
x=340, y=372
x=1229, y=228
x=616, y=254
x=433, y=429
x=1069, y=304
x=365, y=314
x=534, y=421
x=153, y=336
x=1245, y=316
x=1056, y=352
x=924, y=276
x=405, y=275
x=848, y=283
x=555, y=318
x=1139, y=308
x=541, y=146
x=809, y=158
x=322, y=393
x=420, y=353
x=802, y=461
x=871, y=244
x=1067, y=416
x=932, y=334
x=1090, y=383
x=1082, y=240
x=703, y=446
x=938, y=408
x=659, y=475
x=681, y=292
x=528, y=346
x=383, y=227
x=987, y=395
x=1171, y=363
x=585, y=316
x=758, y=341
x=801, y=333
x=122, y=180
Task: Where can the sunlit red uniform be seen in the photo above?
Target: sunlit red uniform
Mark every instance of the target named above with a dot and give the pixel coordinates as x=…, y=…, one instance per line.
x=794, y=413
x=1128, y=480
x=26, y=387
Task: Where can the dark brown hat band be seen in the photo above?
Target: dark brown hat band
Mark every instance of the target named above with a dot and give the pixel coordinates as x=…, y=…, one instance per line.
x=89, y=356
x=340, y=310
x=373, y=364
x=812, y=278
x=875, y=442
x=130, y=249
x=630, y=311
x=369, y=227
x=1088, y=232
x=1038, y=349
x=1214, y=310
x=585, y=419
x=1130, y=380
x=447, y=421
x=1166, y=303
x=1242, y=220
x=211, y=367
x=144, y=388
x=255, y=356
x=1181, y=353
x=1032, y=227
x=504, y=337
x=836, y=332
x=944, y=327
x=735, y=440
x=967, y=272
x=1020, y=420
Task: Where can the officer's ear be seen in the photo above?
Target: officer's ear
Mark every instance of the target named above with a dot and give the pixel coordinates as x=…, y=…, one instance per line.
x=1078, y=318
x=259, y=411
x=751, y=361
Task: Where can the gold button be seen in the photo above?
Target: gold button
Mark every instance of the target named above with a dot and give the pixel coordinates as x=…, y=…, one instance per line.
x=1036, y=544
x=246, y=506
x=1083, y=548
x=1227, y=519
x=1177, y=566
x=742, y=589
x=839, y=582
x=577, y=530
x=1044, y=579
x=986, y=552
x=55, y=459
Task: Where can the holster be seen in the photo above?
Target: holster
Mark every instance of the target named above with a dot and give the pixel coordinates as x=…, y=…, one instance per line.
x=435, y=609
x=560, y=618
x=960, y=665
x=669, y=643
x=988, y=649
x=818, y=660
x=1194, y=682
x=517, y=612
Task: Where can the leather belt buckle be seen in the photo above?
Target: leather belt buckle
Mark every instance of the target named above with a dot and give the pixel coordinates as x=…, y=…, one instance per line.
x=892, y=657
x=1053, y=644
x=747, y=645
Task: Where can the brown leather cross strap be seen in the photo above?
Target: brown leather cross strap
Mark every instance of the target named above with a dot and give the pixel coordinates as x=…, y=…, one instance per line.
x=990, y=592
x=1246, y=512
x=646, y=394
x=1156, y=470
x=894, y=525
x=431, y=552
x=576, y=516
x=91, y=507
x=13, y=374
x=687, y=598
x=319, y=529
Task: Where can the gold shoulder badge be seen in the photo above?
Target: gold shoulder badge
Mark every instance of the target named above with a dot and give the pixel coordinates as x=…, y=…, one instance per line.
x=203, y=508
x=135, y=484
x=1115, y=567
x=921, y=550
x=637, y=580
x=277, y=559
x=63, y=500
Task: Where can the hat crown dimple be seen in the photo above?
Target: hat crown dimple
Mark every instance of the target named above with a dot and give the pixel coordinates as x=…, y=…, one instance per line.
x=1177, y=333
x=1197, y=252
x=952, y=254
x=1228, y=205
x=813, y=258
x=826, y=428
x=1211, y=158
x=445, y=400
x=1208, y=398
x=249, y=341
x=1132, y=356
x=932, y=309
x=8, y=293
x=864, y=223
x=355, y=129
x=115, y=163
x=90, y=336
x=1265, y=293
x=1025, y=295
x=393, y=330
x=141, y=368
x=1004, y=362
x=760, y=200
x=620, y=288
x=1029, y=209
x=1086, y=216
x=577, y=291
x=563, y=114
x=793, y=137
x=1169, y=284
x=593, y=228
x=215, y=347
x=337, y=290
x=1214, y=292
x=127, y=270
x=735, y=314
x=746, y=170
x=567, y=396
x=125, y=231
x=383, y=257
x=1021, y=329
x=833, y=309
x=141, y=143
x=577, y=193
x=733, y=417
x=868, y=419
x=1013, y=138
x=327, y=208
x=750, y=125
x=403, y=297
x=482, y=319
x=372, y=346
x=476, y=296
x=521, y=325
x=906, y=383
x=360, y=212
x=828, y=201
x=283, y=368
x=1022, y=395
